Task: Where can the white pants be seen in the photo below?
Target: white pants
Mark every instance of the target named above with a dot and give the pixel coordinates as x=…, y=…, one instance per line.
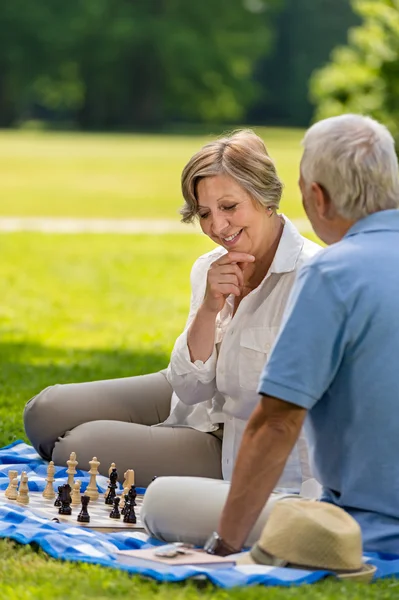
x=188, y=509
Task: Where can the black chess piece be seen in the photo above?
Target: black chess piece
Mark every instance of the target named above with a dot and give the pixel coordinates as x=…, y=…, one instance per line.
x=132, y=494
x=66, y=500
x=58, y=499
x=113, y=484
x=83, y=516
x=126, y=505
x=115, y=512
x=130, y=515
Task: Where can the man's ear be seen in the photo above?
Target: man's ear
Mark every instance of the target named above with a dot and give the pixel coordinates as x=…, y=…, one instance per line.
x=322, y=202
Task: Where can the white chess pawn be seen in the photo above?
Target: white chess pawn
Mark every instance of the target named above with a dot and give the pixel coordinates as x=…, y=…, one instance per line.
x=13, y=491
x=48, y=491
x=76, y=493
x=91, y=489
x=123, y=501
x=23, y=492
x=71, y=470
x=11, y=475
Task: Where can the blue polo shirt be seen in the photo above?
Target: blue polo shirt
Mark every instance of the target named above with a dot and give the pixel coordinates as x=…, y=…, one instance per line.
x=337, y=355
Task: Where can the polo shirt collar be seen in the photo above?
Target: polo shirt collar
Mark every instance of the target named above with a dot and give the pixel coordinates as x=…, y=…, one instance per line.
x=288, y=250
x=383, y=220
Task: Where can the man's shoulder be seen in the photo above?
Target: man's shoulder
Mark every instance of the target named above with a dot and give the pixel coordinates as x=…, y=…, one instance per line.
x=332, y=256
x=339, y=266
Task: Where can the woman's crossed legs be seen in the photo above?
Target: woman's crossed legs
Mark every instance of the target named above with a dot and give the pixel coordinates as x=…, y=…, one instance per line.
x=113, y=420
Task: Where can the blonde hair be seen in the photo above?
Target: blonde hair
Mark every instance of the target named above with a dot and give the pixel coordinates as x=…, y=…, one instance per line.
x=354, y=158
x=243, y=156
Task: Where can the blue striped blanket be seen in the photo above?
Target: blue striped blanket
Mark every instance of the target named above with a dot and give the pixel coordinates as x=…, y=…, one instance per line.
x=65, y=542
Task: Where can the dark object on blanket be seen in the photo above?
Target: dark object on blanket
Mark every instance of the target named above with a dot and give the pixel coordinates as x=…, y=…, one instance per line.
x=83, y=516
x=66, y=500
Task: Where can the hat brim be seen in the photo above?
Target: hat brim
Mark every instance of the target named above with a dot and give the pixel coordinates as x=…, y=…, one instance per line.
x=245, y=558
x=364, y=575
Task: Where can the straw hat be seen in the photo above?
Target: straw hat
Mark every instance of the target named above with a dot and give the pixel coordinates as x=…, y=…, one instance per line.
x=311, y=535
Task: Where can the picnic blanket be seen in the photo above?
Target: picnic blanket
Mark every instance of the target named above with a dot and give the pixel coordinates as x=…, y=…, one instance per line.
x=75, y=543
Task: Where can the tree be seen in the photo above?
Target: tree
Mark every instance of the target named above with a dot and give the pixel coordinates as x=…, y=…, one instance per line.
x=363, y=77
x=34, y=58
x=306, y=31
x=131, y=63
x=147, y=61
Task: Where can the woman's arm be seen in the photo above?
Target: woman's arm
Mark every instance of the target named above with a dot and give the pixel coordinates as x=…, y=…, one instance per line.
x=224, y=277
x=192, y=368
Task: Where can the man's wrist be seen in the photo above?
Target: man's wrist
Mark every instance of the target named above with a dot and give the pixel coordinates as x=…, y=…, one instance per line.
x=217, y=545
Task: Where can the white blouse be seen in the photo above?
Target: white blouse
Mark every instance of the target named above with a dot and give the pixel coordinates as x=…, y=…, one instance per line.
x=224, y=388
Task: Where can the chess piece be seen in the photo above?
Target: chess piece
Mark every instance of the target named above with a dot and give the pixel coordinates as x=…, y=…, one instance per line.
x=13, y=492
x=130, y=515
x=129, y=479
x=76, y=493
x=132, y=495
x=130, y=503
x=23, y=492
x=11, y=475
x=48, y=491
x=91, y=489
x=58, y=499
x=113, y=478
x=113, y=466
x=83, y=516
x=66, y=500
x=123, y=500
x=115, y=512
x=71, y=470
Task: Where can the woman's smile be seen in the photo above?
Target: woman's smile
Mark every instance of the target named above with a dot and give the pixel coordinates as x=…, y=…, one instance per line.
x=232, y=239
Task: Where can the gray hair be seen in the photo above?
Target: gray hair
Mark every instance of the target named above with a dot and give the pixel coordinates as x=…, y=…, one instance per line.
x=353, y=157
x=243, y=156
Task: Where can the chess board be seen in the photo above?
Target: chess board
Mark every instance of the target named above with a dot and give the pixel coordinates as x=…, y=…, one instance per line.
x=98, y=511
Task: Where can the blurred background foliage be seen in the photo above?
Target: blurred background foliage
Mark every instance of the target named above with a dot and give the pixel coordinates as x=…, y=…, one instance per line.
x=363, y=76
x=157, y=64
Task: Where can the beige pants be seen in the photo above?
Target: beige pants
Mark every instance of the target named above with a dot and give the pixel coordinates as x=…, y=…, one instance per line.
x=112, y=420
x=188, y=509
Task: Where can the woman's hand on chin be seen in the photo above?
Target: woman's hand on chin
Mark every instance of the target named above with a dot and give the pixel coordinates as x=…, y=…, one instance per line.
x=225, y=277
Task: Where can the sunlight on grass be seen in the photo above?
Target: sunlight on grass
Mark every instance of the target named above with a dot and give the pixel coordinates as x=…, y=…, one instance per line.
x=136, y=176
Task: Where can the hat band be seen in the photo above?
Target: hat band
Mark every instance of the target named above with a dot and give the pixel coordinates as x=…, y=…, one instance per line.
x=261, y=557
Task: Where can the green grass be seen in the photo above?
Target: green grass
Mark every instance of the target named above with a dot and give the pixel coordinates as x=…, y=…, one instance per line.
x=87, y=307
x=77, y=308
x=72, y=174
x=28, y=575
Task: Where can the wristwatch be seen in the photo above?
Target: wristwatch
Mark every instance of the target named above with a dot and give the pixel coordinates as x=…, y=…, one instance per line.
x=216, y=545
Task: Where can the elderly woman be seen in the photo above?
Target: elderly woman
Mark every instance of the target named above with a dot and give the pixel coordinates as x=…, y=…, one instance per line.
x=189, y=419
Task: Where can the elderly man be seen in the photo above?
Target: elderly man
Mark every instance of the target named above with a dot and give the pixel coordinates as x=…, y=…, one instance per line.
x=336, y=357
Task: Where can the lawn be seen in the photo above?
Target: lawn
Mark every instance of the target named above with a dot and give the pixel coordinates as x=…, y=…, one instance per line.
x=83, y=307
x=80, y=175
